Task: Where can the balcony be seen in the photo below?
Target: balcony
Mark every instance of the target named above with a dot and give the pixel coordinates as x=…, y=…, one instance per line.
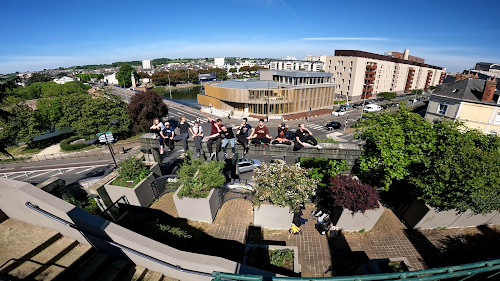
x=371, y=66
x=369, y=90
x=370, y=79
x=363, y=96
x=370, y=72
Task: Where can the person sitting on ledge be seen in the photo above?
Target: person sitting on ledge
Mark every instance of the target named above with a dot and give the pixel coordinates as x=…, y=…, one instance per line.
x=157, y=128
x=281, y=138
x=261, y=135
x=304, y=137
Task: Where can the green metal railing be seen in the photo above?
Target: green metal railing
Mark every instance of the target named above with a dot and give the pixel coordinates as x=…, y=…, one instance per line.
x=486, y=270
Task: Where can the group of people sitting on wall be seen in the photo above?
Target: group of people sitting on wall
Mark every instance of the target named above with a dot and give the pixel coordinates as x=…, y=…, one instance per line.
x=222, y=135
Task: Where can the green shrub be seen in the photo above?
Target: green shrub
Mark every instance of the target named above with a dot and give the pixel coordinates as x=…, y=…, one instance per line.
x=131, y=171
x=283, y=185
x=89, y=205
x=154, y=229
x=66, y=146
x=327, y=140
x=323, y=168
x=210, y=176
x=339, y=101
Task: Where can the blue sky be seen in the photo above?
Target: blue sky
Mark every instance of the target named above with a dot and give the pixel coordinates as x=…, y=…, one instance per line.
x=50, y=34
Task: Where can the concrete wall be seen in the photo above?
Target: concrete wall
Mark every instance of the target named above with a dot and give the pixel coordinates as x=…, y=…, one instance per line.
x=422, y=216
x=272, y=217
x=14, y=195
x=198, y=209
x=347, y=220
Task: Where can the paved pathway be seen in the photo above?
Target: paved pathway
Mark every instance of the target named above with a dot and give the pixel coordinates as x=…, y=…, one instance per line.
x=321, y=256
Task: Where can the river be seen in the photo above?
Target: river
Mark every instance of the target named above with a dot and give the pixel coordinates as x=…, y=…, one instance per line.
x=187, y=95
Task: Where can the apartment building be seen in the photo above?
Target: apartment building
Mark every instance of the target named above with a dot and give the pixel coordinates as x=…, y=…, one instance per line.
x=361, y=74
x=293, y=64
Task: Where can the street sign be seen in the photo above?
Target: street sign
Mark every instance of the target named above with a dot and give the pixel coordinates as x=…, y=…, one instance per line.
x=107, y=136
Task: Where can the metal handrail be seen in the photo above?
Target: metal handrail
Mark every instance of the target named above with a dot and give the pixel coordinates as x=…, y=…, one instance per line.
x=120, y=246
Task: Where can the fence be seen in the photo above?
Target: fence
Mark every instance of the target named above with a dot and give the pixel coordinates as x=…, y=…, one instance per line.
x=117, y=211
x=61, y=156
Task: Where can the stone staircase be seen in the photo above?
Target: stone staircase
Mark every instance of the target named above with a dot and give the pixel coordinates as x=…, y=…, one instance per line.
x=30, y=252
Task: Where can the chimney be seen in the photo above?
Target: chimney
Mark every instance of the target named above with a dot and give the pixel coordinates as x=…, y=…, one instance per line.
x=489, y=89
x=406, y=54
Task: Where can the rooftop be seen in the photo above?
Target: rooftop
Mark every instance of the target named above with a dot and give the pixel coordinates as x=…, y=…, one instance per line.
x=362, y=54
x=467, y=90
x=299, y=73
x=247, y=84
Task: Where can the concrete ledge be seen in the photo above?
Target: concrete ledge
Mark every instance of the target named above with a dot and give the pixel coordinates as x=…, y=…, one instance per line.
x=339, y=151
x=297, y=268
x=272, y=217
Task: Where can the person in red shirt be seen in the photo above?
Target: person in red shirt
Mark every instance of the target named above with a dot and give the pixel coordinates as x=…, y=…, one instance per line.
x=261, y=134
x=216, y=128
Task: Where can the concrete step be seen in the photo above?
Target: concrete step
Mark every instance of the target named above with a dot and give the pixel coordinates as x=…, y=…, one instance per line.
x=153, y=276
x=21, y=241
x=73, y=259
x=116, y=270
x=136, y=273
x=93, y=267
x=44, y=259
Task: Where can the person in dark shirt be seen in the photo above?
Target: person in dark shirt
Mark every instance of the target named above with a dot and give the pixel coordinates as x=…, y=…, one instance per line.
x=183, y=132
x=168, y=134
x=281, y=138
x=243, y=134
x=304, y=137
x=261, y=134
x=215, y=130
x=227, y=136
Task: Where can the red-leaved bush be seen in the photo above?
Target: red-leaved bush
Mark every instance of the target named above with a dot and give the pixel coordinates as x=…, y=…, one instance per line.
x=352, y=194
x=143, y=108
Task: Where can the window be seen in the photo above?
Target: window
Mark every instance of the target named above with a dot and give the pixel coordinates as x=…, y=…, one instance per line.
x=342, y=62
x=338, y=63
x=442, y=108
x=329, y=68
x=350, y=69
x=350, y=75
x=348, y=88
x=351, y=63
x=349, y=82
x=330, y=62
x=344, y=68
x=497, y=119
x=335, y=68
x=342, y=81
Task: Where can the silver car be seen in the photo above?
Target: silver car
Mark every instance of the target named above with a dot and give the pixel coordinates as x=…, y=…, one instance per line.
x=247, y=165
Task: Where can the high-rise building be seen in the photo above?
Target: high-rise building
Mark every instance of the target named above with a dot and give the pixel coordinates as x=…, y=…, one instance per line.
x=361, y=74
x=219, y=62
x=286, y=64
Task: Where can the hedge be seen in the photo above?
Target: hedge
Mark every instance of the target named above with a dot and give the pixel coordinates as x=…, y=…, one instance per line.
x=66, y=146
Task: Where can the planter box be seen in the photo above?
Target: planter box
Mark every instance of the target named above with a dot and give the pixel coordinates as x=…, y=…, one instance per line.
x=198, y=209
x=141, y=195
x=347, y=220
x=273, y=217
x=297, y=268
x=422, y=216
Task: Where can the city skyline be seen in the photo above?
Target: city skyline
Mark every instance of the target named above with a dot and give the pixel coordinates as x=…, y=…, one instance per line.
x=63, y=34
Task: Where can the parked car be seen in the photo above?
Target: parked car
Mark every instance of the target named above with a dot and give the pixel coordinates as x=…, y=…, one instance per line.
x=384, y=106
x=412, y=100
x=372, y=108
x=339, y=112
x=333, y=125
x=247, y=165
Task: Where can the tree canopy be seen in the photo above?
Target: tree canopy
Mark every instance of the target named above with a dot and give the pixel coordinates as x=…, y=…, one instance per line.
x=446, y=164
x=143, y=108
x=388, y=95
x=123, y=75
x=38, y=77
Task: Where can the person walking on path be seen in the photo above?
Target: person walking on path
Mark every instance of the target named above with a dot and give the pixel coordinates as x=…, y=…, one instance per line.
x=217, y=139
x=261, y=134
x=304, y=137
x=183, y=132
x=197, y=135
x=243, y=134
x=157, y=128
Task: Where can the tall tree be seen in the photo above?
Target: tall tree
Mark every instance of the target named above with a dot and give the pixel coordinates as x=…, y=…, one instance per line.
x=143, y=108
x=124, y=77
x=388, y=95
x=38, y=77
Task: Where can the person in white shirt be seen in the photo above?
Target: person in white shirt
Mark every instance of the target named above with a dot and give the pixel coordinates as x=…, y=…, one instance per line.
x=197, y=135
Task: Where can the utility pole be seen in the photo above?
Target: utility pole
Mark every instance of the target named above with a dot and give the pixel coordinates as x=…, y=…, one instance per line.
x=169, y=88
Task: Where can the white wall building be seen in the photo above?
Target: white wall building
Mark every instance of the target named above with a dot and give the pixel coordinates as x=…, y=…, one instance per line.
x=219, y=62
x=111, y=79
x=65, y=79
x=146, y=64
x=296, y=65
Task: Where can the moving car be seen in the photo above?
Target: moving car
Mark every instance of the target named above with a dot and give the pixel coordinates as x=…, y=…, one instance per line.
x=339, y=112
x=247, y=165
x=333, y=125
x=372, y=108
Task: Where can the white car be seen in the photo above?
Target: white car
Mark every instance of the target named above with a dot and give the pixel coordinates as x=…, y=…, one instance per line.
x=372, y=108
x=339, y=112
